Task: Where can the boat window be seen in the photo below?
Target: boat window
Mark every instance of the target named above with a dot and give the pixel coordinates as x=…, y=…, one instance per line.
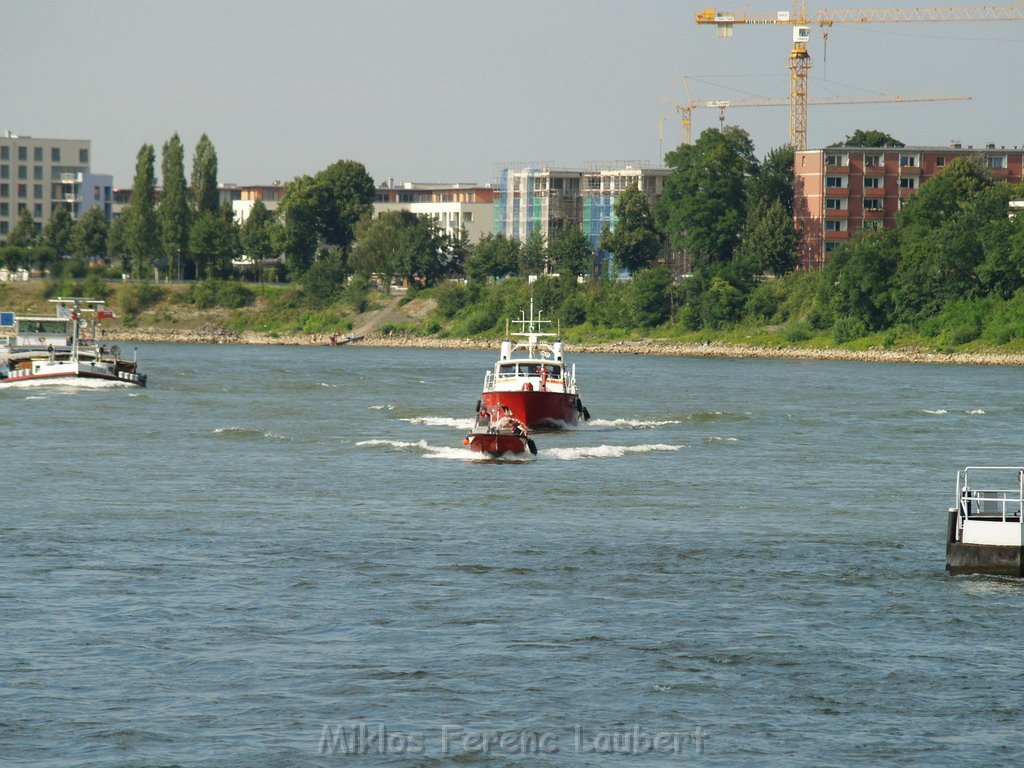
x=44, y=326
x=553, y=371
x=530, y=369
x=507, y=370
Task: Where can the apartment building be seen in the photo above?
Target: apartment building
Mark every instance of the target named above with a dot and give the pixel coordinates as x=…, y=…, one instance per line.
x=545, y=199
x=43, y=174
x=842, y=190
x=452, y=206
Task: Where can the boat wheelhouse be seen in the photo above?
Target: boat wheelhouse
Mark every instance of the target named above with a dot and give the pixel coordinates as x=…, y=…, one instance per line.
x=531, y=377
x=62, y=349
x=984, y=528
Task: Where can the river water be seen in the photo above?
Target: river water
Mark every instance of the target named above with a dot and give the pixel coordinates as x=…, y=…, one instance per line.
x=283, y=556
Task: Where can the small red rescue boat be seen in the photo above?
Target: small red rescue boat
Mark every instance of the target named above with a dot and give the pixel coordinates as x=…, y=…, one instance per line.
x=498, y=432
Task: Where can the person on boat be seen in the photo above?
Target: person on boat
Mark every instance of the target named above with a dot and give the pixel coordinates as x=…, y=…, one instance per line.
x=483, y=418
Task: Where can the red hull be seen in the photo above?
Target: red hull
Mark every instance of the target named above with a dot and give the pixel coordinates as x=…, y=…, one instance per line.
x=536, y=409
x=496, y=445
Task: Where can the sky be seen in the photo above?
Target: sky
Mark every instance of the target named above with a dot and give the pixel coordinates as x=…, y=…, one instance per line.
x=452, y=90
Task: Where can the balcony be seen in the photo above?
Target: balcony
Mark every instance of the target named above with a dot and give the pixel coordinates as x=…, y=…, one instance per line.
x=837, y=191
x=874, y=170
x=874, y=192
x=836, y=213
x=834, y=235
x=876, y=214
x=843, y=169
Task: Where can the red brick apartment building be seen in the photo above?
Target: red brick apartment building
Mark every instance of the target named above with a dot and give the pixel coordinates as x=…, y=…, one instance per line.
x=842, y=190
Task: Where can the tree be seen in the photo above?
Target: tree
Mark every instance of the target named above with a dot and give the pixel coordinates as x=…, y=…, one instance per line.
x=140, y=232
x=769, y=239
x=858, y=279
x=213, y=242
x=89, y=235
x=256, y=236
x=173, y=213
x=205, y=197
x=635, y=240
x=299, y=235
x=493, y=256
x=533, y=254
x=25, y=233
x=348, y=197
x=57, y=231
x=117, y=251
x=938, y=232
x=773, y=180
x=650, y=296
x=571, y=251
x=457, y=249
x=398, y=244
x=704, y=202
x=862, y=138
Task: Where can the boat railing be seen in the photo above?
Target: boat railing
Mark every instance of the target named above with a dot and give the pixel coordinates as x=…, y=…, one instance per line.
x=568, y=380
x=991, y=498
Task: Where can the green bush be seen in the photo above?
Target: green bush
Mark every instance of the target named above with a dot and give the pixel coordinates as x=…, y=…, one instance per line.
x=797, y=332
x=963, y=333
x=450, y=298
x=847, y=329
x=325, y=322
x=134, y=298
x=212, y=293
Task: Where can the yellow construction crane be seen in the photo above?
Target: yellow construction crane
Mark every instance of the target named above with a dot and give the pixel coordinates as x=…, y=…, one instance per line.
x=722, y=104
x=800, y=60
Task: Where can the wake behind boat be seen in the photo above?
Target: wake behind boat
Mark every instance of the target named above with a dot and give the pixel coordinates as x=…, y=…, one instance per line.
x=62, y=349
x=531, y=379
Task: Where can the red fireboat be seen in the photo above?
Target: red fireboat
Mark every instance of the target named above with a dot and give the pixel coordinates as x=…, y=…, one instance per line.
x=530, y=378
x=497, y=432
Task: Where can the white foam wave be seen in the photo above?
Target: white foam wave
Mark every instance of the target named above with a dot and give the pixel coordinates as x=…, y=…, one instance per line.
x=382, y=407
x=604, y=451
x=975, y=412
x=936, y=412
x=632, y=423
x=440, y=451
x=243, y=432
x=717, y=439
x=440, y=421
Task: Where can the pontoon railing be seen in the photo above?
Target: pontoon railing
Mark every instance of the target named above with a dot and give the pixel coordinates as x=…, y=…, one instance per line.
x=1004, y=503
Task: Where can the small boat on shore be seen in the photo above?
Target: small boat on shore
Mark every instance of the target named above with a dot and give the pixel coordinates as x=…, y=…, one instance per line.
x=531, y=378
x=983, y=532
x=62, y=349
x=337, y=340
x=497, y=432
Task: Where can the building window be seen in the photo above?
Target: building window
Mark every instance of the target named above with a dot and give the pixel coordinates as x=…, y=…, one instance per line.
x=83, y=156
x=998, y=161
x=908, y=183
x=835, y=182
x=836, y=203
x=835, y=225
x=37, y=172
x=23, y=153
x=872, y=224
x=908, y=161
x=5, y=190
x=3, y=227
x=467, y=217
x=37, y=154
x=5, y=209
x=22, y=191
x=22, y=171
x=873, y=204
x=37, y=191
x=940, y=162
x=38, y=210
x=873, y=182
x=837, y=159
x=873, y=161
x=831, y=246
x=5, y=171
x=5, y=153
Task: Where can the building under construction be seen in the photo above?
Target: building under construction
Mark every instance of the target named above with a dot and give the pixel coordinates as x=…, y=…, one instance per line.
x=544, y=199
x=841, y=190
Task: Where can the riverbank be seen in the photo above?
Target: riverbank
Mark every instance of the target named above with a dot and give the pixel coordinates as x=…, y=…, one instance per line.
x=217, y=335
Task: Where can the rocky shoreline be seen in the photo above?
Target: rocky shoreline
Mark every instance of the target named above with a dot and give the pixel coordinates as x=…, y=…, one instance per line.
x=218, y=335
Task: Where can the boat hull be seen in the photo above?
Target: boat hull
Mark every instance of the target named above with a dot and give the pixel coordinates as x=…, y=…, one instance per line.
x=497, y=445
x=550, y=410
x=70, y=376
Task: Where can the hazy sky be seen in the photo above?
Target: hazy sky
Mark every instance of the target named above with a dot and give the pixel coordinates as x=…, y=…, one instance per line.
x=447, y=90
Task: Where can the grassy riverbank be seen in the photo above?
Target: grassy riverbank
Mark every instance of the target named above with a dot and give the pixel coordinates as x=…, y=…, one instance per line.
x=282, y=315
